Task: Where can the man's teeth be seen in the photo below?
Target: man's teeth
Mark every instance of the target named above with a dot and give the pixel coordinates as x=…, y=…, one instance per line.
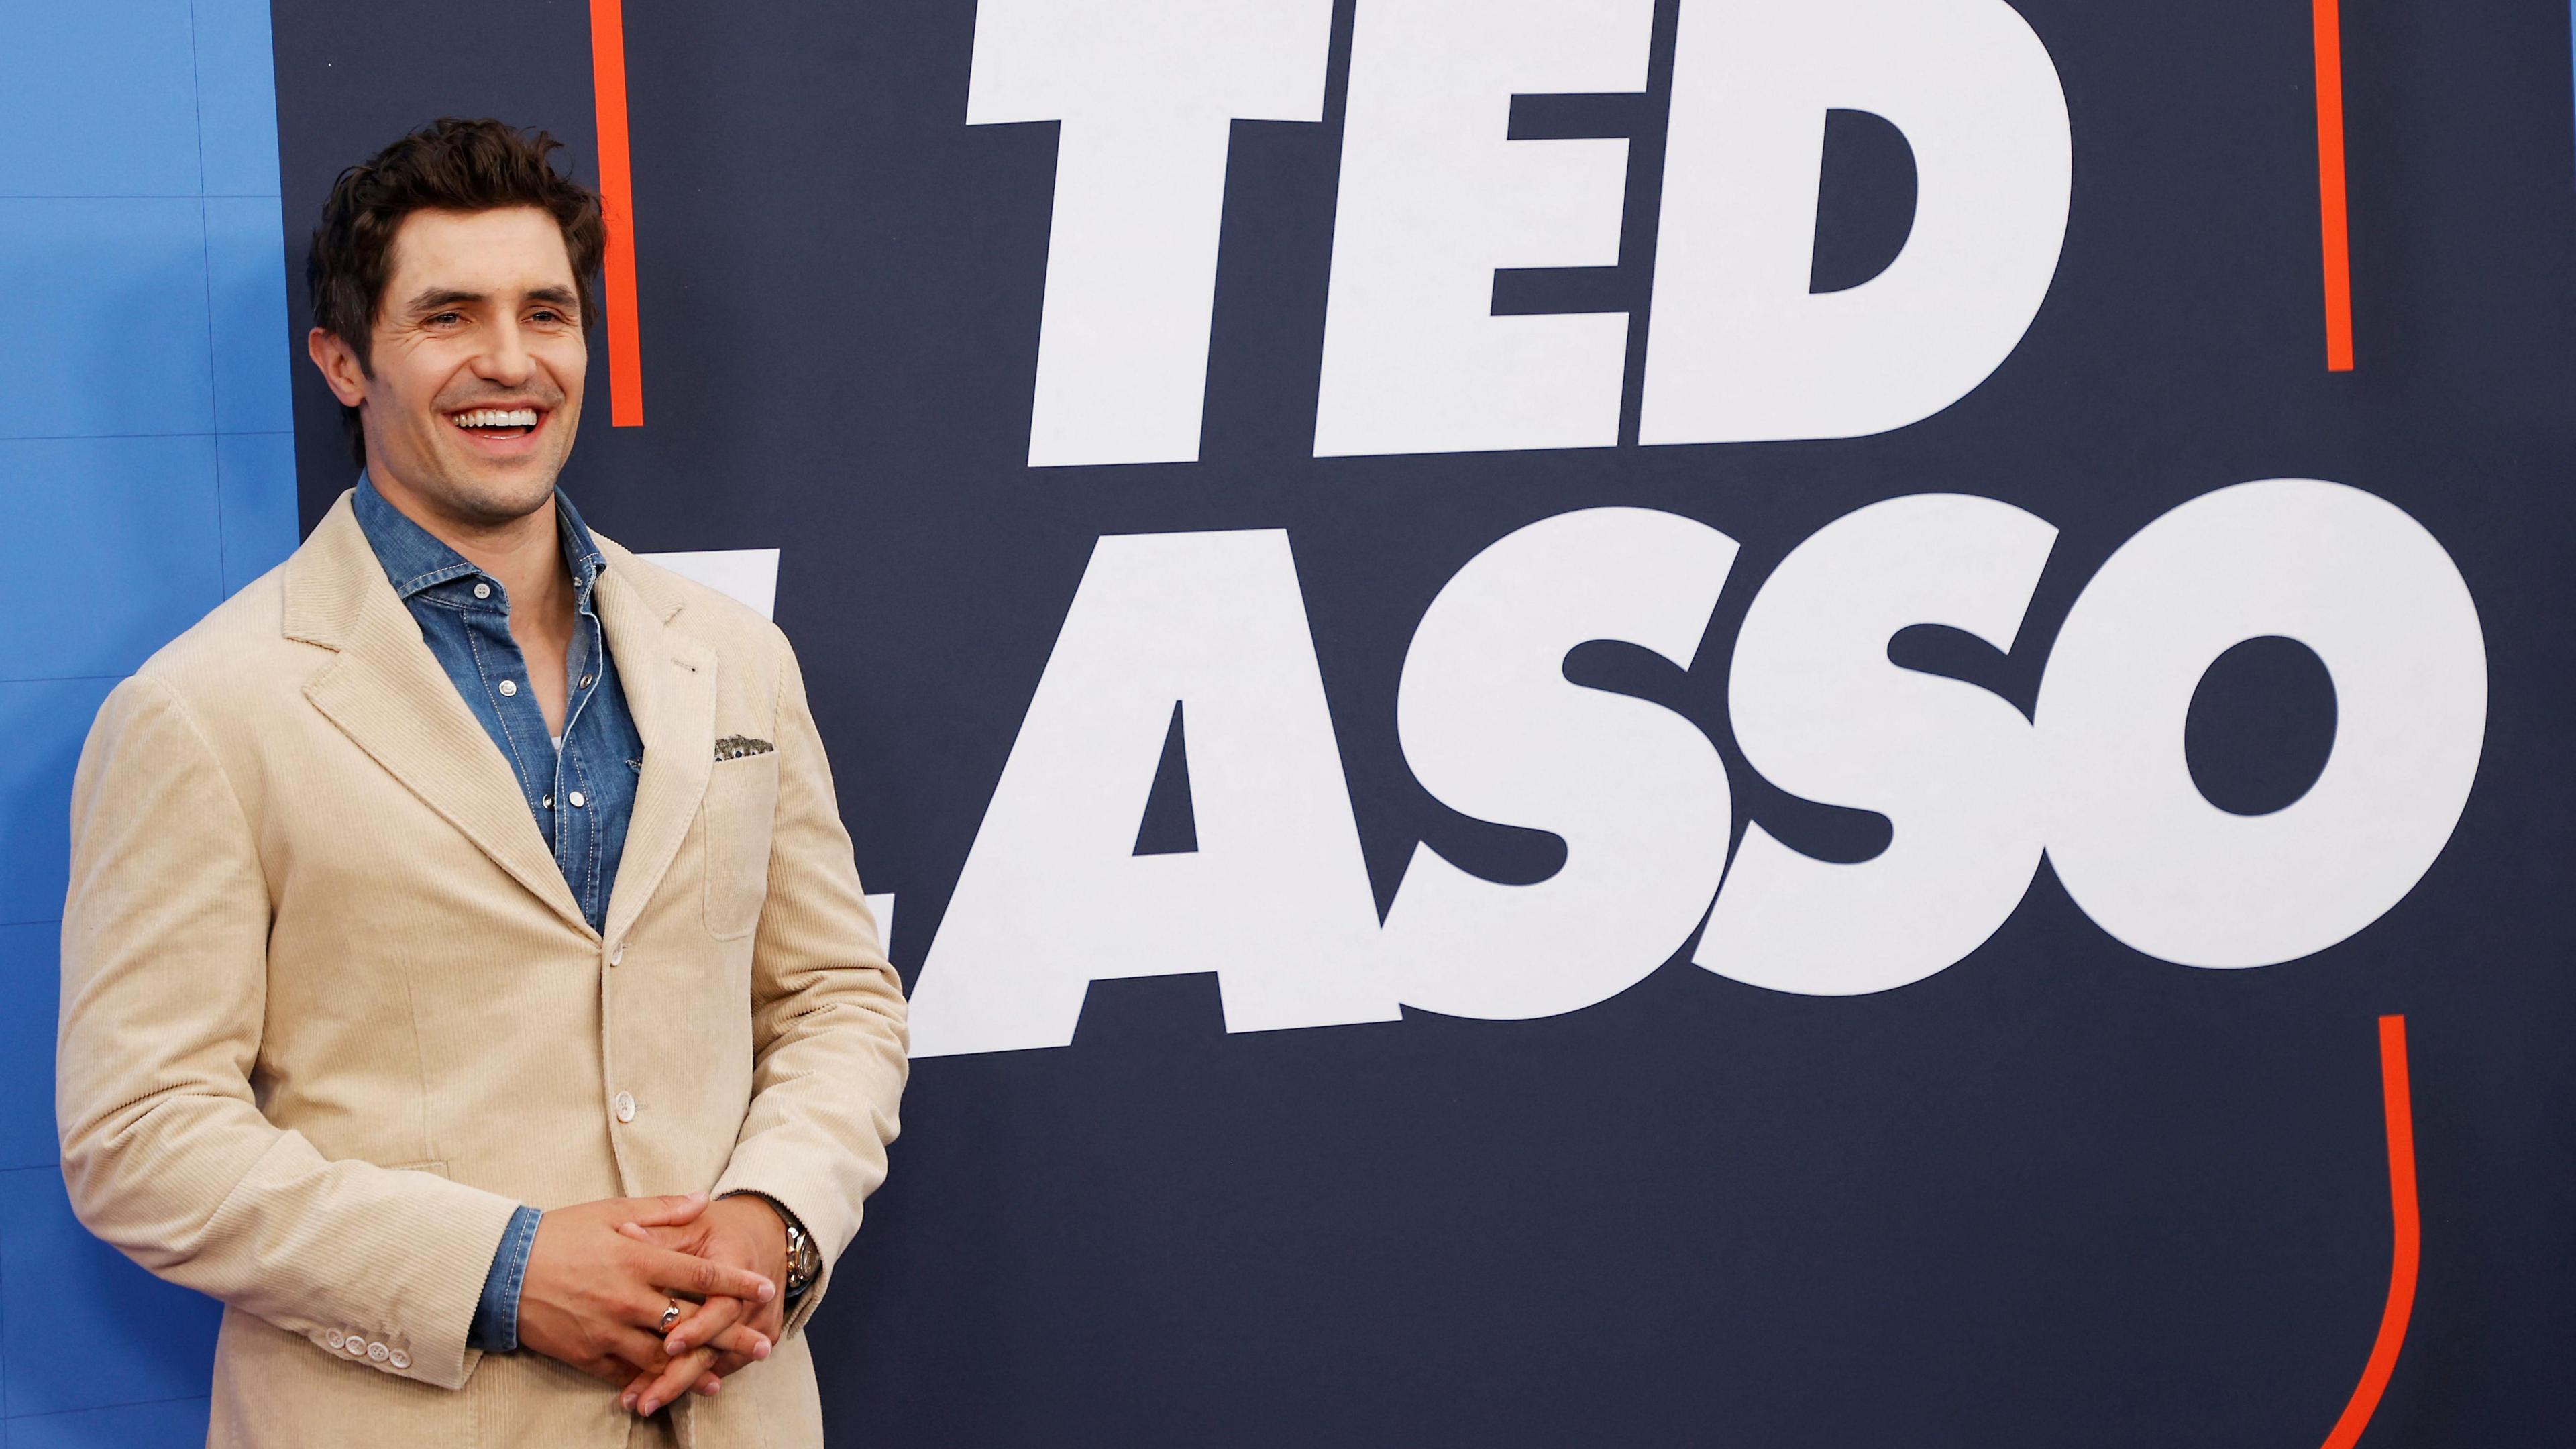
x=498, y=418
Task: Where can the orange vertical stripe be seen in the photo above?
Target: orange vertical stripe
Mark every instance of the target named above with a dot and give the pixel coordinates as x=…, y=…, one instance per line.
x=617, y=199
x=2398, y=1103
x=2330, y=197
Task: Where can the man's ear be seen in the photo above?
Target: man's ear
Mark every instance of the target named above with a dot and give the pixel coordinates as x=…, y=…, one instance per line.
x=339, y=364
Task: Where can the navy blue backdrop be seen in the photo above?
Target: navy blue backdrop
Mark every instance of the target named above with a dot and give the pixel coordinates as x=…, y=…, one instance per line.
x=2062, y=1192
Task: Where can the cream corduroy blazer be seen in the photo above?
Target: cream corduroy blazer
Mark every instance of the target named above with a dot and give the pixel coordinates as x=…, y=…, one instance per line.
x=330, y=1013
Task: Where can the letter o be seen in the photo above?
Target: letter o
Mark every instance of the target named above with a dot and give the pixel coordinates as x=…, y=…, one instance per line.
x=2355, y=579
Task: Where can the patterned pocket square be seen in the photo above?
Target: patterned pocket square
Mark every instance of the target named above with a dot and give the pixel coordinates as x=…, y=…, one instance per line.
x=735, y=747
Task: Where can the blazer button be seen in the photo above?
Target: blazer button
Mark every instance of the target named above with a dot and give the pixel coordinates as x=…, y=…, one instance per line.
x=356, y=1346
x=618, y=956
x=378, y=1352
x=335, y=1338
x=399, y=1359
x=624, y=1102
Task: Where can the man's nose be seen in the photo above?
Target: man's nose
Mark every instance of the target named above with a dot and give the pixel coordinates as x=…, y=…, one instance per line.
x=506, y=360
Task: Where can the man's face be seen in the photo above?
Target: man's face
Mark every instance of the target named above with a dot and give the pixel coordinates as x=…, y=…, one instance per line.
x=477, y=363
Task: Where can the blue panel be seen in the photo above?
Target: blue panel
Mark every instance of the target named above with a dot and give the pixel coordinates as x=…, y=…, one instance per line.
x=45, y=723
x=30, y=981
x=246, y=275
x=111, y=547
x=83, y=1327
x=139, y=310
x=259, y=503
x=172, y=1424
x=106, y=328
x=237, y=97
x=99, y=99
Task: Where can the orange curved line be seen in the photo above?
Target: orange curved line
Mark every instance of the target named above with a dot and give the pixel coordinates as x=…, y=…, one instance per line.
x=2407, y=1257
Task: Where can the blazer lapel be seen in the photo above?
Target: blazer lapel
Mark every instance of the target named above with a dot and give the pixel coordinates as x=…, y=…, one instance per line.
x=670, y=684
x=387, y=692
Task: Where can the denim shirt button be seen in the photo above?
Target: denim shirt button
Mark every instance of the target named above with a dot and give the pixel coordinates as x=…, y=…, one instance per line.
x=508, y=687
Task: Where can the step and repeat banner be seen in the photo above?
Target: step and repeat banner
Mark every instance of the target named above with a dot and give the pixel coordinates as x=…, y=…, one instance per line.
x=1767, y=722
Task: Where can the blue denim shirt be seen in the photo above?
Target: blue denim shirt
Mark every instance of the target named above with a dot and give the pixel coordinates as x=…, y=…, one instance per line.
x=581, y=794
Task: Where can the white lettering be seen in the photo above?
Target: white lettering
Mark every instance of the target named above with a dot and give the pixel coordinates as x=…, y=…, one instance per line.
x=2348, y=575
x=1819, y=709
x=1147, y=91
x=1275, y=900
x=1739, y=350
x=1435, y=198
x=1492, y=728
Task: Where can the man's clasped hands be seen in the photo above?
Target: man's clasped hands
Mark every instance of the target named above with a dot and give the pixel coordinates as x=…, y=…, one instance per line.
x=603, y=1276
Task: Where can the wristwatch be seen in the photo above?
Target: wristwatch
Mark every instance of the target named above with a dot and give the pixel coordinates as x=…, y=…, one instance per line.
x=804, y=1260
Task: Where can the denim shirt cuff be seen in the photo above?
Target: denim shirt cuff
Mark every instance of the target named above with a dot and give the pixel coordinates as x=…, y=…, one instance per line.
x=496, y=1317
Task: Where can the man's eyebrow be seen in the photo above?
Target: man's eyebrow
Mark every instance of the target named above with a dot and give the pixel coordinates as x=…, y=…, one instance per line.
x=437, y=297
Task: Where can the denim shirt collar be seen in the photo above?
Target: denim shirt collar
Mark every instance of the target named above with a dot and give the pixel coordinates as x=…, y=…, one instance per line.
x=414, y=559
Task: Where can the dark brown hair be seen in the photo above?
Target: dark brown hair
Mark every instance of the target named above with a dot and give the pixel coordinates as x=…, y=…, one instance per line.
x=447, y=165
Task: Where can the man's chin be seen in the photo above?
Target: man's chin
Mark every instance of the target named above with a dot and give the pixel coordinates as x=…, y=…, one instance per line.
x=473, y=491
x=498, y=503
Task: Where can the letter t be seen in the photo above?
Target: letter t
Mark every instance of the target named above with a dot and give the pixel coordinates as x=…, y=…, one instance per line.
x=1147, y=92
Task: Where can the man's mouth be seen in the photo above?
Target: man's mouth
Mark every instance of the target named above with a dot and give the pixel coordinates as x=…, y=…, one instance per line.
x=497, y=422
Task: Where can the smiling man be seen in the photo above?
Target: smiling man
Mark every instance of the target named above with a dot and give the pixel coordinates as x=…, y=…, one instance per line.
x=465, y=977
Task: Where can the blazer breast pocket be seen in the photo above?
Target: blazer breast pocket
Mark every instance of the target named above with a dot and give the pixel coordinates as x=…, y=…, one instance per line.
x=741, y=807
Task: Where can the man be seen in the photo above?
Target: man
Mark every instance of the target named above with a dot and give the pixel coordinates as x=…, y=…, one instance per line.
x=464, y=973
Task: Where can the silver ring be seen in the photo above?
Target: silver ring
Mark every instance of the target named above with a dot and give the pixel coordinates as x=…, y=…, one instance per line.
x=670, y=1315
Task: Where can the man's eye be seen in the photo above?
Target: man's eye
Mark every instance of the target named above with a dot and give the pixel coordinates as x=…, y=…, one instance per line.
x=441, y=319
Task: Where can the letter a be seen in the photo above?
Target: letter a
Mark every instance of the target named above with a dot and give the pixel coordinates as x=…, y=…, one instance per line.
x=1275, y=900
